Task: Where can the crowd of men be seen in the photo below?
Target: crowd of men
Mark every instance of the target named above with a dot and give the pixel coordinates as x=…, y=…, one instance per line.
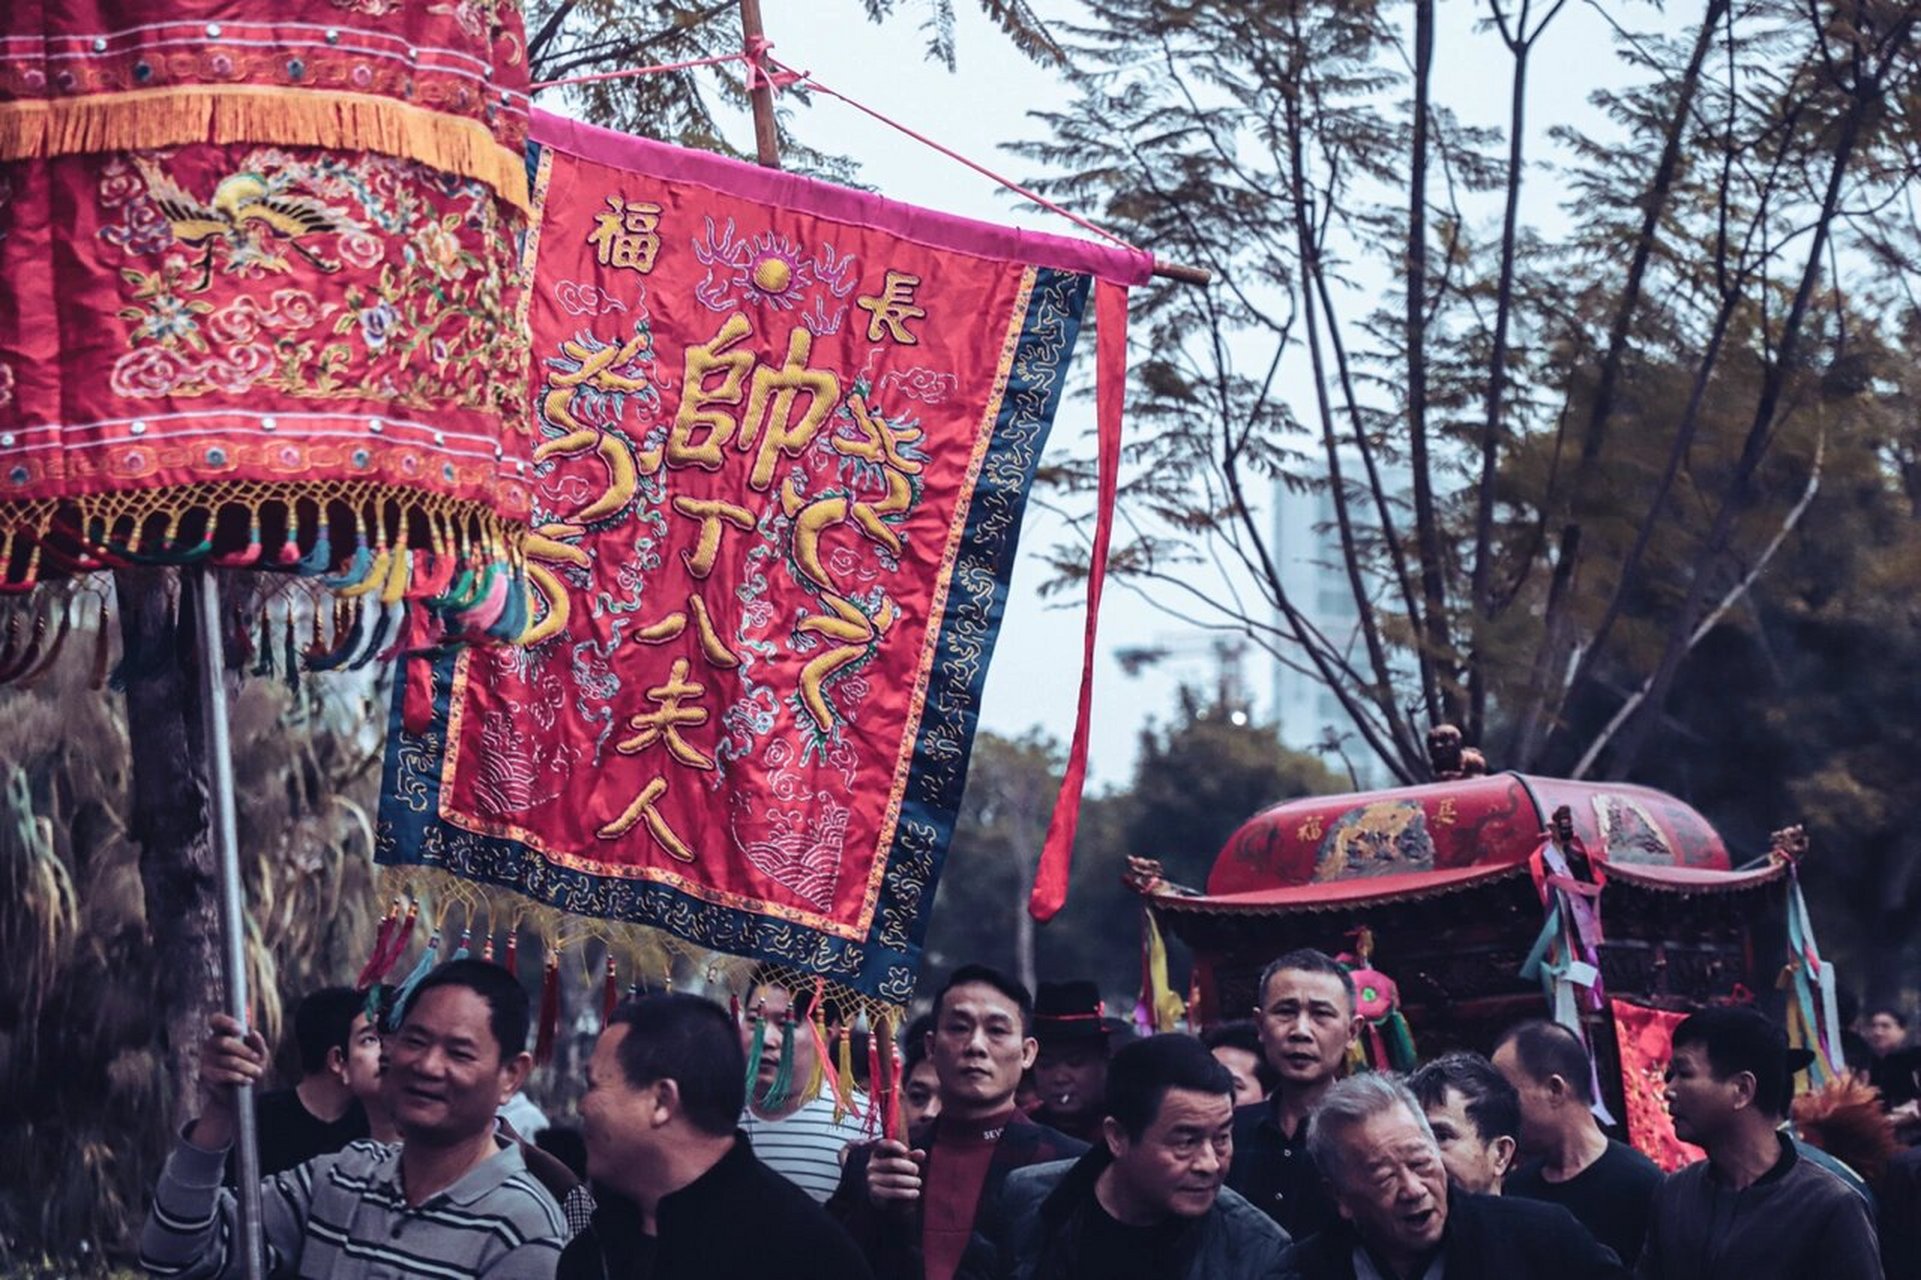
x=1041, y=1142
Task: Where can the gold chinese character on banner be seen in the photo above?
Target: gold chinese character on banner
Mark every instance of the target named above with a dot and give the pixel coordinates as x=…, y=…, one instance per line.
x=891, y=308
x=628, y=236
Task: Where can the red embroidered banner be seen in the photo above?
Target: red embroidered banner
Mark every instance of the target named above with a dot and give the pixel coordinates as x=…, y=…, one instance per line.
x=786, y=435
x=1646, y=1037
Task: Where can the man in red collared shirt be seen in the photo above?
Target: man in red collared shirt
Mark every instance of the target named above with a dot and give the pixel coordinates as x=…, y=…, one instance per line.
x=911, y=1206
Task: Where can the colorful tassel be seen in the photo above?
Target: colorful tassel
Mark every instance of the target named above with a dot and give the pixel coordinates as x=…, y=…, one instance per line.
x=783, y=1086
x=398, y=946
x=510, y=964
x=549, y=1011
x=404, y=993
x=465, y=948
x=610, y=997
x=755, y=1052
x=817, y=1074
x=873, y=1123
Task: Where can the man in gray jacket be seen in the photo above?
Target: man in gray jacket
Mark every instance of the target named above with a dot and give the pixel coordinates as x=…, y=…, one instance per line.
x=1148, y=1202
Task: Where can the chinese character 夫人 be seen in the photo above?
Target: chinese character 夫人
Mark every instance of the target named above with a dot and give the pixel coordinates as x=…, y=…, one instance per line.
x=891, y=308
x=628, y=236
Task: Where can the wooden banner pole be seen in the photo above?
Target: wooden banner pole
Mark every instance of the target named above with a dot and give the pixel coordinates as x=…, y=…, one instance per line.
x=766, y=135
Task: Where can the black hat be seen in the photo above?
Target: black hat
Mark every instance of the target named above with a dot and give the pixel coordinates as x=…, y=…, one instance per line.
x=1072, y=1012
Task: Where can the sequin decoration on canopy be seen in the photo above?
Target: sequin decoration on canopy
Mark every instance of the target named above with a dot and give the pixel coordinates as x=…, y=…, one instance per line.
x=787, y=432
x=262, y=296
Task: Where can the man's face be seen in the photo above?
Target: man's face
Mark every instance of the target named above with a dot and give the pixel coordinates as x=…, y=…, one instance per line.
x=1701, y=1105
x=1473, y=1163
x=1306, y=1023
x=1180, y=1160
x=1539, y=1112
x=445, y=1077
x=619, y=1123
x=1244, y=1067
x=1884, y=1034
x=360, y=1068
x=1392, y=1185
x=978, y=1048
x=770, y=1005
x=920, y=1094
x=1072, y=1077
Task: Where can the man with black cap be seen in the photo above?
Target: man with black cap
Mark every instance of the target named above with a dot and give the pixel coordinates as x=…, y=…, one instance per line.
x=1073, y=1031
x=1754, y=1209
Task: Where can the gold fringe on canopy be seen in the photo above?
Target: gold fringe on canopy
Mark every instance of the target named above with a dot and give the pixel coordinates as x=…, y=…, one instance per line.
x=143, y=119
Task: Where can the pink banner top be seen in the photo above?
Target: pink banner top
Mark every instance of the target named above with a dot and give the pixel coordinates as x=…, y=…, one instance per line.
x=841, y=204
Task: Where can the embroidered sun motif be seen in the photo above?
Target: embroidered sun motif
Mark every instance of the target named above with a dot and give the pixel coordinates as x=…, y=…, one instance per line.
x=774, y=271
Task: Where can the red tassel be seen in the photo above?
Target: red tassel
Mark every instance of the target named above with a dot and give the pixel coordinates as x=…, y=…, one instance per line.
x=873, y=1081
x=733, y=1008
x=397, y=947
x=611, y=996
x=513, y=949
x=381, y=937
x=487, y=947
x=549, y=1011
x=1110, y=386
x=890, y=1091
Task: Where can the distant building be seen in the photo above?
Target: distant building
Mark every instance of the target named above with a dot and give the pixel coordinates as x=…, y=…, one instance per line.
x=1307, y=552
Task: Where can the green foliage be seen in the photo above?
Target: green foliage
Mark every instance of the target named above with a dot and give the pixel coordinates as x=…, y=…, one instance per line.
x=1194, y=782
x=1201, y=777
x=1550, y=453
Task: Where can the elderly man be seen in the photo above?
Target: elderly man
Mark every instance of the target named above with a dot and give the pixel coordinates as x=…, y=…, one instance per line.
x=679, y=1193
x=1400, y=1220
x=1146, y=1204
x=1755, y=1208
x=452, y=1199
x=1475, y=1115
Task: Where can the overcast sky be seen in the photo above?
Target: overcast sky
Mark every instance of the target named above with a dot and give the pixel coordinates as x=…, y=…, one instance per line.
x=985, y=104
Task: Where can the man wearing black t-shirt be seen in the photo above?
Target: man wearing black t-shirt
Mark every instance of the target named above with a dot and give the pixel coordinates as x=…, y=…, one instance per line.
x=1146, y=1204
x=1306, y=1020
x=320, y=1115
x=1607, y=1185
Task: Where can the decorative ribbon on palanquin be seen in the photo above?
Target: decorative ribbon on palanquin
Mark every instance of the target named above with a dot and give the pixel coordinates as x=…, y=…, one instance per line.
x=1566, y=955
x=786, y=435
x=1813, y=1013
x=262, y=306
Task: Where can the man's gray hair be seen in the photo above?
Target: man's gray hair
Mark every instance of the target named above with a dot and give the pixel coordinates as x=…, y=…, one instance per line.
x=1353, y=1102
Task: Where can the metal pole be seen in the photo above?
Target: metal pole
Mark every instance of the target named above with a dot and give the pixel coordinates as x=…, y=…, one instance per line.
x=233, y=921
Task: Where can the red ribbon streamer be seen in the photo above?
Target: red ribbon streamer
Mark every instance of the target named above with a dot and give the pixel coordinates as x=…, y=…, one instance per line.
x=1110, y=392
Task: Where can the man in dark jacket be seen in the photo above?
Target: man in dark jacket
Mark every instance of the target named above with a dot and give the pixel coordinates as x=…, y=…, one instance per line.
x=1401, y=1221
x=1147, y=1204
x=1755, y=1207
x=679, y=1193
x=912, y=1206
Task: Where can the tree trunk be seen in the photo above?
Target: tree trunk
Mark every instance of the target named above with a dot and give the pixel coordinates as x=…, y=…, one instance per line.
x=170, y=812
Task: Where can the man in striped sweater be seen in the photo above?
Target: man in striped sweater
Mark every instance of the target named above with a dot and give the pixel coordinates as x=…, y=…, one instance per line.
x=451, y=1200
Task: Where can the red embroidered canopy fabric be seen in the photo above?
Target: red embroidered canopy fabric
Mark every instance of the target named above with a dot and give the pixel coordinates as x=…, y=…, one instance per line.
x=261, y=293
x=786, y=434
